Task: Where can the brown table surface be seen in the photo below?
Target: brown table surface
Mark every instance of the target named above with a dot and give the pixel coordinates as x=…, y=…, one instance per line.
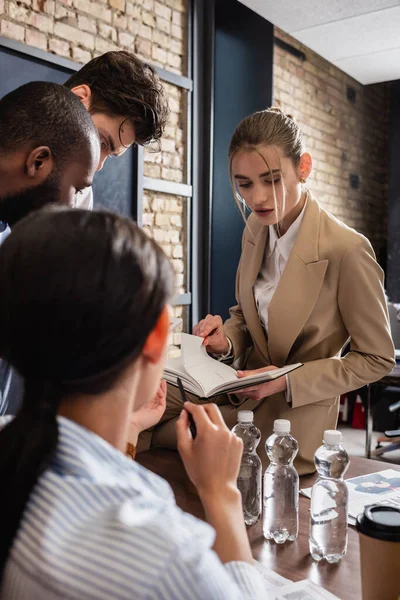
x=291, y=560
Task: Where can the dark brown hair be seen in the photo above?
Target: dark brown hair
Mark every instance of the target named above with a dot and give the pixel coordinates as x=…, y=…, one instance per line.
x=41, y=113
x=80, y=292
x=271, y=127
x=123, y=85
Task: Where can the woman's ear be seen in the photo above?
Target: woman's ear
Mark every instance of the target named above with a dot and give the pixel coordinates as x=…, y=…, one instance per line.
x=84, y=93
x=156, y=341
x=39, y=164
x=305, y=166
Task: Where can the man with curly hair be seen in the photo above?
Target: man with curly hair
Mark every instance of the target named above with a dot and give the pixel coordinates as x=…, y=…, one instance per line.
x=126, y=101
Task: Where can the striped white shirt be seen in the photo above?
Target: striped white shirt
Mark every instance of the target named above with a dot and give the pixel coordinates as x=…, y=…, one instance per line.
x=100, y=526
x=5, y=371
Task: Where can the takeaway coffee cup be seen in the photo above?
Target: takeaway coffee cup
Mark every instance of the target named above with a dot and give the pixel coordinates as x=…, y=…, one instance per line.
x=379, y=529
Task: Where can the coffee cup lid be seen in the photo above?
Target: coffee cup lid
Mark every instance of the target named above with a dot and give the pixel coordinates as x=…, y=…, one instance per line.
x=380, y=522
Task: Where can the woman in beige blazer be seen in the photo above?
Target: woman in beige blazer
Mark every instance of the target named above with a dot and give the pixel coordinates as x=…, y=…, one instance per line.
x=306, y=285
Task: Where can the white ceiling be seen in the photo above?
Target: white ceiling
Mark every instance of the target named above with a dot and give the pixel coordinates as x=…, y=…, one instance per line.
x=361, y=37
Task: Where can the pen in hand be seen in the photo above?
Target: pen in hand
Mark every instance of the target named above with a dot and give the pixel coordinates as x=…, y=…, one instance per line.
x=192, y=425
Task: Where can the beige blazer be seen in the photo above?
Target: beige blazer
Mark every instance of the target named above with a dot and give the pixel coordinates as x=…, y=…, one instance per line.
x=330, y=291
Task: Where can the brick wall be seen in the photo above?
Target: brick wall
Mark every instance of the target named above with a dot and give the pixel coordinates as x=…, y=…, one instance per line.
x=82, y=29
x=343, y=138
x=170, y=163
x=164, y=219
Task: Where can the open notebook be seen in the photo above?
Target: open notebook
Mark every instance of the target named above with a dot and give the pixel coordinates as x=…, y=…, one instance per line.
x=205, y=377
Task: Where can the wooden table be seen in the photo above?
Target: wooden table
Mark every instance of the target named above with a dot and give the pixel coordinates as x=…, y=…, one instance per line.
x=291, y=560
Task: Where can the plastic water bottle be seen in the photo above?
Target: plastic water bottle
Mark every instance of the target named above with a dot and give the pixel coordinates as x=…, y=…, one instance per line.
x=249, y=480
x=281, y=486
x=329, y=500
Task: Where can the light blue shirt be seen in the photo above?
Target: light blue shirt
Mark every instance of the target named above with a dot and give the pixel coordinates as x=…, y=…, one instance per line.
x=4, y=231
x=100, y=526
x=5, y=371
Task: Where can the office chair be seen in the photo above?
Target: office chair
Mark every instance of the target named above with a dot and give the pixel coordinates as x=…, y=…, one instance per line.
x=392, y=436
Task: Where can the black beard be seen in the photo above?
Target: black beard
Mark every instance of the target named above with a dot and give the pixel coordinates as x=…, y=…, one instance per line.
x=15, y=207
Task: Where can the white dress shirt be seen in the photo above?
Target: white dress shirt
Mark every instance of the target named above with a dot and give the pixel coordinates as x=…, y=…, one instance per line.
x=84, y=199
x=4, y=231
x=100, y=526
x=276, y=255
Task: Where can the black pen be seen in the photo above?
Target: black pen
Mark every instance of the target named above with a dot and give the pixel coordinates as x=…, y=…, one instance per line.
x=192, y=425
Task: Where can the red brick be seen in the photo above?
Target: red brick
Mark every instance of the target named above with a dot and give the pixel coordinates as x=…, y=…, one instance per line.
x=180, y=5
x=161, y=39
x=59, y=47
x=133, y=10
x=62, y=12
x=148, y=19
x=107, y=32
x=177, y=32
x=46, y=6
x=163, y=25
x=11, y=30
x=145, y=32
x=75, y=35
x=162, y=11
x=143, y=47
x=18, y=12
x=126, y=40
x=117, y=4
x=43, y=23
x=174, y=61
x=94, y=9
x=159, y=54
x=176, y=46
x=120, y=21
x=36, y=39
x=178, y=18
x=87, y=24
x=81, y=56
x=104, y=45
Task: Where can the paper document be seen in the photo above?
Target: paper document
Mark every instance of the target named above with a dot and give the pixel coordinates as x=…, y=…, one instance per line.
x=280, y=588
x=272, y=580
x=382, y=487
x=303, y=590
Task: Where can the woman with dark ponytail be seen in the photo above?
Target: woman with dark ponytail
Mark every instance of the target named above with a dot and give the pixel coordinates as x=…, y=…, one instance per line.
x=84, y=319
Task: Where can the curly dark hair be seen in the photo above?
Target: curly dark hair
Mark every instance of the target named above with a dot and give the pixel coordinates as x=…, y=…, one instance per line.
x=122, y=84
x=41, y=113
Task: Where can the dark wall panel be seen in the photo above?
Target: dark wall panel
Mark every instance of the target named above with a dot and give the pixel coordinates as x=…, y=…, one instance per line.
x=243, y=84
x=393, y=262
